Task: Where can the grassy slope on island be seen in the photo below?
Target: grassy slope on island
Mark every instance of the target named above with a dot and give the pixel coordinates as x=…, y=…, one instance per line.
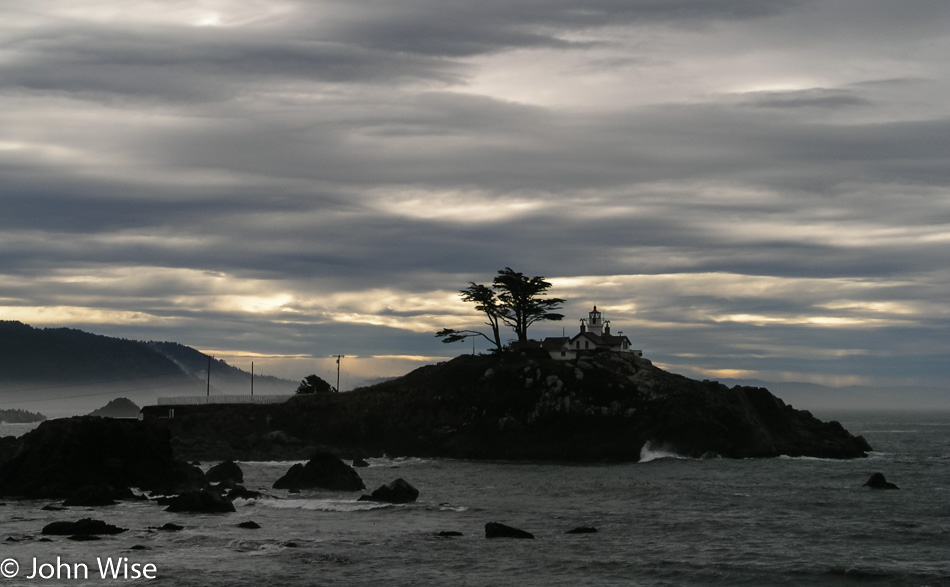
x=599, y=407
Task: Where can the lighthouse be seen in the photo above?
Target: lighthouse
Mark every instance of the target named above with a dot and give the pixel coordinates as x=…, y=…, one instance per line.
x=595, y=322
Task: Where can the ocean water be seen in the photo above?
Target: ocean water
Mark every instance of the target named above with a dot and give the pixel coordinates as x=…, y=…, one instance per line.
x=664, y=521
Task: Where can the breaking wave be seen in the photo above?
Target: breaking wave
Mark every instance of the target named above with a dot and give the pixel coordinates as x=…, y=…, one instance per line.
x=649, y=452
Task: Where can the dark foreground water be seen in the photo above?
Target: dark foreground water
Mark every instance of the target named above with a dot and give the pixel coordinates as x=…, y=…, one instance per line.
x=668, y=521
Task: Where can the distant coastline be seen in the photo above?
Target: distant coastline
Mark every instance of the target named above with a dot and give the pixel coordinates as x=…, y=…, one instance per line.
x=20, y=417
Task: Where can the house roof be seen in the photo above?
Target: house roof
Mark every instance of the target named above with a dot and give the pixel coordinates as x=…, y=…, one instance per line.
x=601, y=339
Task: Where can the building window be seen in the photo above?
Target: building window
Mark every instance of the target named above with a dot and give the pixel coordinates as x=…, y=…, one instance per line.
x=586, y=345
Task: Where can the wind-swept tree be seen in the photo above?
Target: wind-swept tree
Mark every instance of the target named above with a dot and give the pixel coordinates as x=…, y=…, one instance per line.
x=513, y=299
x=485, y=301
x=313, y=384
x=523, y=300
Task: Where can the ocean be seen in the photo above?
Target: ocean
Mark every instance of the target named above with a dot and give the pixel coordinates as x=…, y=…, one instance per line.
x=663, y=521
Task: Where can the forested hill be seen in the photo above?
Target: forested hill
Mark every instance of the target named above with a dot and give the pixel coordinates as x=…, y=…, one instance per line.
x=63, y=356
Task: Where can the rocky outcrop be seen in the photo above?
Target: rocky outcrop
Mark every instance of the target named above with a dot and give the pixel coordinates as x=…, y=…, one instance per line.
x=877, y=481
x=398, y=491
x=323, y=471
x=602, y=406
x=497, y=530
x=85, y=455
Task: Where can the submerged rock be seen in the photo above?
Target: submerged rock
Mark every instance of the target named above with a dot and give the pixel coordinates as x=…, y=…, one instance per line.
x=324, y=471
x=877, y=481
x=249, y=525
x=83, y=527
x=496, y=530
x=241, y=492
x=398, y=491
x=582, y=530
x=200, y=502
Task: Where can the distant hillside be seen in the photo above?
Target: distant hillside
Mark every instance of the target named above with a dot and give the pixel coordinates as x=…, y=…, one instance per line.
x=30, y=354
x=63, y=371
x=223, y=376
x=20, y=417
x=120, y=407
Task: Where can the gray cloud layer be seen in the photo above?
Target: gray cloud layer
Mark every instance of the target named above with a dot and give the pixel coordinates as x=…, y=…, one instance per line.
x=753, y=187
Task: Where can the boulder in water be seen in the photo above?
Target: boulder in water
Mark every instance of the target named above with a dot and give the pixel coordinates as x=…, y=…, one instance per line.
x=398, y=491
x=877, y=481
x=226, y=471
x=324, y=471
x=83, y=527
x=200, y=502
x=496, y=530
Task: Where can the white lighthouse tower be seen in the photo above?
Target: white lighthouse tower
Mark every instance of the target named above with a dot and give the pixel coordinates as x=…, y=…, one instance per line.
x=595, y=322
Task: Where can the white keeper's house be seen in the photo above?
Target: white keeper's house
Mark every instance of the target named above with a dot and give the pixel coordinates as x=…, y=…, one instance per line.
x=594, y=335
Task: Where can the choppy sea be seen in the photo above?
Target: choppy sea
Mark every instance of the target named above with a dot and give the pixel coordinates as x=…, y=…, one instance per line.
x=663, y=521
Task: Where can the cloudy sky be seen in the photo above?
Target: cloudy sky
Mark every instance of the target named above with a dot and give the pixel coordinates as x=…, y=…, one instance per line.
x=747, y=188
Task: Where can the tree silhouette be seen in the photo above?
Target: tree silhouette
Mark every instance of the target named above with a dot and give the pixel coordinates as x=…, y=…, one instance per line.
x=513, y=299
x=313, y=384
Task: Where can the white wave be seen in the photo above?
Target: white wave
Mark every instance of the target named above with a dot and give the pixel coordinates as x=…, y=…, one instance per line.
x=322, y=505
x=396, y=462
x=651, y=453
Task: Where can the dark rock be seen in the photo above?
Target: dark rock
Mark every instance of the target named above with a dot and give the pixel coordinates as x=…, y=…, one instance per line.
x=226, y=471
x=139, y=547
x=323, y=470
x=398, y=491
x=582, y=530
x=200, y=502
x=97, y=495
x=249, y=525
x=241, y=492
x=85, y=526
x=290, y=545
x=169, y=527
x=358, y=462
x=877, y=481
x=63, y=457
x=449, y=534
x=52, y=508
x=496, y=530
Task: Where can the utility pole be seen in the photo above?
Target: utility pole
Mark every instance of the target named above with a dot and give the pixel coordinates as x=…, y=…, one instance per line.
x=252, y=378
x=338, y=357
x=208, y=393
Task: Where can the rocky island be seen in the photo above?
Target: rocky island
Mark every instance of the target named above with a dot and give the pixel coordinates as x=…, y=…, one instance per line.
x=600, y=406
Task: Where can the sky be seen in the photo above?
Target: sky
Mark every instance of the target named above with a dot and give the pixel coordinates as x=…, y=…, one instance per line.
x=752, y=189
